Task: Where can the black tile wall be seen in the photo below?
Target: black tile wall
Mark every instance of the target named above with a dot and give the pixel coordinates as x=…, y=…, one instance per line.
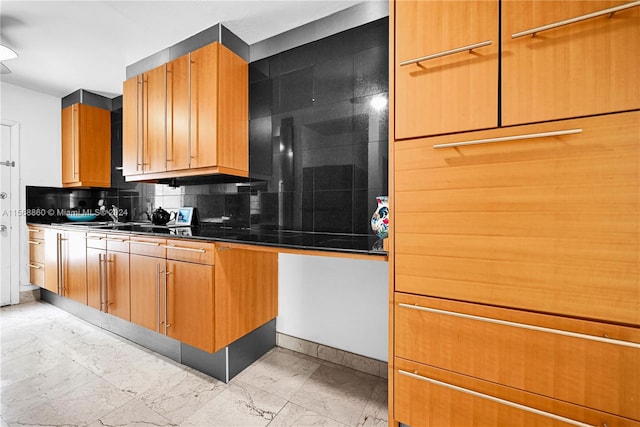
x=318, y=145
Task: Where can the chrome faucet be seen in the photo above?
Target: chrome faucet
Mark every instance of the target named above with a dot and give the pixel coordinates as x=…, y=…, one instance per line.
x=113, y=213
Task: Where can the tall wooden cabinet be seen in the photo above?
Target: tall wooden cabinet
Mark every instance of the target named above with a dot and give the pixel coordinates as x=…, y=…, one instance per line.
x=86, y=146
x=65, y=263
x=188, y=117
x=515, y=251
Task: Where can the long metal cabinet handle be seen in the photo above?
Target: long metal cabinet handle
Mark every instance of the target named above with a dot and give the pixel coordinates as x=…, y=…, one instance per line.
x=446, y=53
x=34, y=242
x=106, y=283
x=508, y=138
x=158, y=321
x=38, y=267
x=165, y=116
x=166, y=321
x=73, y=141
x=139, y=83
x=59, y=265
x=523, y=326
x=610, y=11
x=495, y=399
x=135, y=242
x=180, y=248
x=189, y=112
x=100, y=292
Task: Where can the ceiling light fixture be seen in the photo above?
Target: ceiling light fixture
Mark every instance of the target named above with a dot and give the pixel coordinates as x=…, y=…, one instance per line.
x=7, y=53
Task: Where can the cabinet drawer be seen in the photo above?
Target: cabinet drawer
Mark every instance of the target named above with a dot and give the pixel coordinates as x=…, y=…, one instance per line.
x=36, y=251
x=545, y=223
x=117, y=243
x=427, y=396
x=190, y=251
x=566, y=359
x=36, y=273
x=96, y=241
x=553, y=75
x=36, y=233
x=148, y=246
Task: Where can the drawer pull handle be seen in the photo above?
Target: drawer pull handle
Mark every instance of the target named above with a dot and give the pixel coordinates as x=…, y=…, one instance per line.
x=39, y=267
x=508, y=138
x=35, y=230
x=116, y=240
x=180, y=248
x=145, y=243
x=523, y=326
x=446, y=53
x=495, y=399
x=33, y=242
x=609, y=12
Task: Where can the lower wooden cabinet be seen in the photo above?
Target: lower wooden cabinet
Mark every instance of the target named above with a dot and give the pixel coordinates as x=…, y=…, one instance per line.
x=432, y=397
x=147, y=281
x=189, y=303
x=65, y=263
x=591, y=364
x=36, y=256
x=246, y=293
x=108, y=275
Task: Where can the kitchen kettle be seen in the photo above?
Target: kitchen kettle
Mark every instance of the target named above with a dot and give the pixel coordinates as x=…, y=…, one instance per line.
x=160, y=216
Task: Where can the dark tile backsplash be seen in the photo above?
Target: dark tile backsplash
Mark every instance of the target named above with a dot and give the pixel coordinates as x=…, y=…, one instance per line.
x=318, y=146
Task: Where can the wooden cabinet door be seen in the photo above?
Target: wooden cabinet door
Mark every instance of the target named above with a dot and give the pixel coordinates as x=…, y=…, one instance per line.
x=75, y=266
x=189, y=304
x=547, y=224
x=147, y=279
x=95, y=277
x=204, y=106
x=132, y=107
x=452, y=93
x=178, y=132
x=154, y=120
x=246, y=291
x=52, y=253
x=117, y=296
x=584, y=68
x=70, y=144
x=86, y=146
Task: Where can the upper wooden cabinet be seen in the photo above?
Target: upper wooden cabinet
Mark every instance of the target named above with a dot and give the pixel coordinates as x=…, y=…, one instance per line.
x=188, y=117
x=86, y=146
x=144, y=121
x=442, y=85
x=577, y=69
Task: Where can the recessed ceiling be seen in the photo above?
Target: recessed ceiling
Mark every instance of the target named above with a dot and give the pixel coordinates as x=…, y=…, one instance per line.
x=68, y=45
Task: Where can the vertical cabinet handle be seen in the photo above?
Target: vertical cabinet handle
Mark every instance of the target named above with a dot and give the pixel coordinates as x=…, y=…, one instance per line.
x=191, y=62
x=106, y=283
x=138, y=120
x=158, y=320
x=166, y=321
x=100, y=282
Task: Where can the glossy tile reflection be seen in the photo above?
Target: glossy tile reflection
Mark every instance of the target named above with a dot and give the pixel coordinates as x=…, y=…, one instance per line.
x=94, y=378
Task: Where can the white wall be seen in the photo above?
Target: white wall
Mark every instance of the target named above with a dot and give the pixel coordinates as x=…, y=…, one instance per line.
x=339, y=302
x=40, y=157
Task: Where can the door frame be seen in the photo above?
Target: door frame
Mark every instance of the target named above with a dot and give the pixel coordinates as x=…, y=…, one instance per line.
x=17, y=220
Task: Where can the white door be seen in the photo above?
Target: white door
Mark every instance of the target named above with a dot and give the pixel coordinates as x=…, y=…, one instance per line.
x=8, y=256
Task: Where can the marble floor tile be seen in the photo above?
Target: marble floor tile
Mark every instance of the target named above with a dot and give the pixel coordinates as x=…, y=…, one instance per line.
x=37, y=311
x=16, y=342
x=59, y=330
x=375, y=413
x=79, y=406
x=336, y=392
x=297, y=416
x=27, y=365
x=238, y=405
x=279, y=372
x=182, y=394
x=132, y=414
x=23, y=396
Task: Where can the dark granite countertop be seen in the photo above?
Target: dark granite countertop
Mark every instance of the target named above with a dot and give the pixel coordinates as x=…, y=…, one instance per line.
x=328, y=242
